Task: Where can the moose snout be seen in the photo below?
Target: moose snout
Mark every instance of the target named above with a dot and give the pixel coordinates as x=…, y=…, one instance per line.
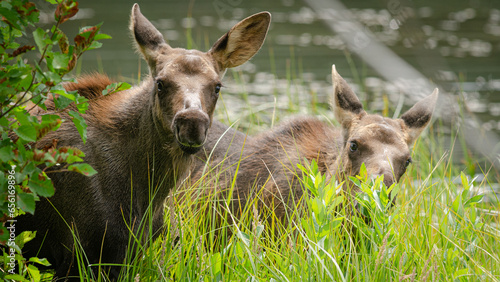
x=190, y=128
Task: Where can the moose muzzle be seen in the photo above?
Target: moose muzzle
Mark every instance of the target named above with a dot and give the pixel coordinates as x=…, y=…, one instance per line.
x=190, y=128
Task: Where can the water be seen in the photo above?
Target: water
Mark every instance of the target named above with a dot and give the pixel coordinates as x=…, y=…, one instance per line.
x=456, y=44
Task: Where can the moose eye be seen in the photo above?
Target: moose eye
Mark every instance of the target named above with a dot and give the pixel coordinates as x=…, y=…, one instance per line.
x=353, y=147
x=159, y=86
x=217, y=89
x=408, y=162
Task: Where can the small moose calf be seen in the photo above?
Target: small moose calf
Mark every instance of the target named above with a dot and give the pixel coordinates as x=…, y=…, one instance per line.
x=265, y=166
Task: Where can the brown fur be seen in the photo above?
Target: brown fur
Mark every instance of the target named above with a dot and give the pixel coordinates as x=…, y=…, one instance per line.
x=90, y=86
x=267, y=163
x=140, y=141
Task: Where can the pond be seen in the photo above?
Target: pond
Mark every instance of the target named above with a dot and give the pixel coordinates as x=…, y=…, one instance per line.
x=454, y=44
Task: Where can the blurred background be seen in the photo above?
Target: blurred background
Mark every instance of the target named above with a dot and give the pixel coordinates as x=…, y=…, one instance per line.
x=392, y=52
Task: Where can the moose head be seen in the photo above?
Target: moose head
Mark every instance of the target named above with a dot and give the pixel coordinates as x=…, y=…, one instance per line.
x=187, y=82
x=382, y=144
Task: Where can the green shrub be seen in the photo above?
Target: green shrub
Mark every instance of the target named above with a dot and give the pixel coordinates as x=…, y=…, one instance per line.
x=24, y=84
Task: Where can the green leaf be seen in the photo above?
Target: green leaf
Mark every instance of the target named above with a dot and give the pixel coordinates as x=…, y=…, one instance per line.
x=102, y=36
x=94, y=45
x=338, y=200
x=60, y=61
x=302, y=168
x=82, y=168
x=116, y=87
x=49, y=59
x=81, y=104
x=465, y=180
x=59, y=90
x=376, y=198
x=34, y=273
x=315, y=222
x=474, y=200
x=355, y=181
x=239, y=250
x=329, y=194
x=6, y=154
x=245, y=238
x=40, y=35
x=42, y=187
x=26, y=132
x=26, y=202
x=15, y=277
x=42, y=261
x=4, y=234
x=50, y=120
x=11, y=16
x=363, y=173
x=22, y=156
x=22, y=116
x=317, y=180
x=259, y=230
x=53, y=77
x=216, y=263
x=80, y=124
x=4, y=122
x=61, y=102
x=24, y=238
x=73, y=155
x=31, y=168
x=456, y=204
x=86, y=31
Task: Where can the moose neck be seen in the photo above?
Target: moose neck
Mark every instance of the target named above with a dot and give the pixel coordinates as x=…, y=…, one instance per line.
x=153, y=153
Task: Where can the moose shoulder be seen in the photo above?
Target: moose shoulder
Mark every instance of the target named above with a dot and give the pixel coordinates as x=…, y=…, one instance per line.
x=266, y=165
x=140, y=141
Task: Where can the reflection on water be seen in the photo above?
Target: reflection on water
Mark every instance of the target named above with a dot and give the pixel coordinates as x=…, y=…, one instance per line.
x=457, y=45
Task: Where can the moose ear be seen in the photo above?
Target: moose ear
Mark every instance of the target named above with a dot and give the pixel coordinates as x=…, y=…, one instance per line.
x=419, y=116
x=147, y=37
x=345, y=103
x=240, y=43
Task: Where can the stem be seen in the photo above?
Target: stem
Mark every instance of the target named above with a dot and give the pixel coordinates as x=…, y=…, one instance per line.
x=37, y=103
x=24, y=102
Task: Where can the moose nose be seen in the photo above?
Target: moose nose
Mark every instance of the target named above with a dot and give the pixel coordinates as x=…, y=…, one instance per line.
x=191, y=128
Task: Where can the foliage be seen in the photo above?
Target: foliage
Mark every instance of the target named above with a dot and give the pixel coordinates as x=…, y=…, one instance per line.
x=426, y=228
x=26, y=83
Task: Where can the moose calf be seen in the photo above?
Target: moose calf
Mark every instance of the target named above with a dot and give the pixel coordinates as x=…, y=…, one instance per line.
x=265, y=166
x=140, y=141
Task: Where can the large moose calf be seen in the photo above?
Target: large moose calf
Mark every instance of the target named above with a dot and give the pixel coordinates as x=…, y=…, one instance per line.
x=266, y=165
x=140, y=141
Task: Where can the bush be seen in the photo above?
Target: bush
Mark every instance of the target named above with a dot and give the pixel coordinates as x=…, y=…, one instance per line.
x=26, y=84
